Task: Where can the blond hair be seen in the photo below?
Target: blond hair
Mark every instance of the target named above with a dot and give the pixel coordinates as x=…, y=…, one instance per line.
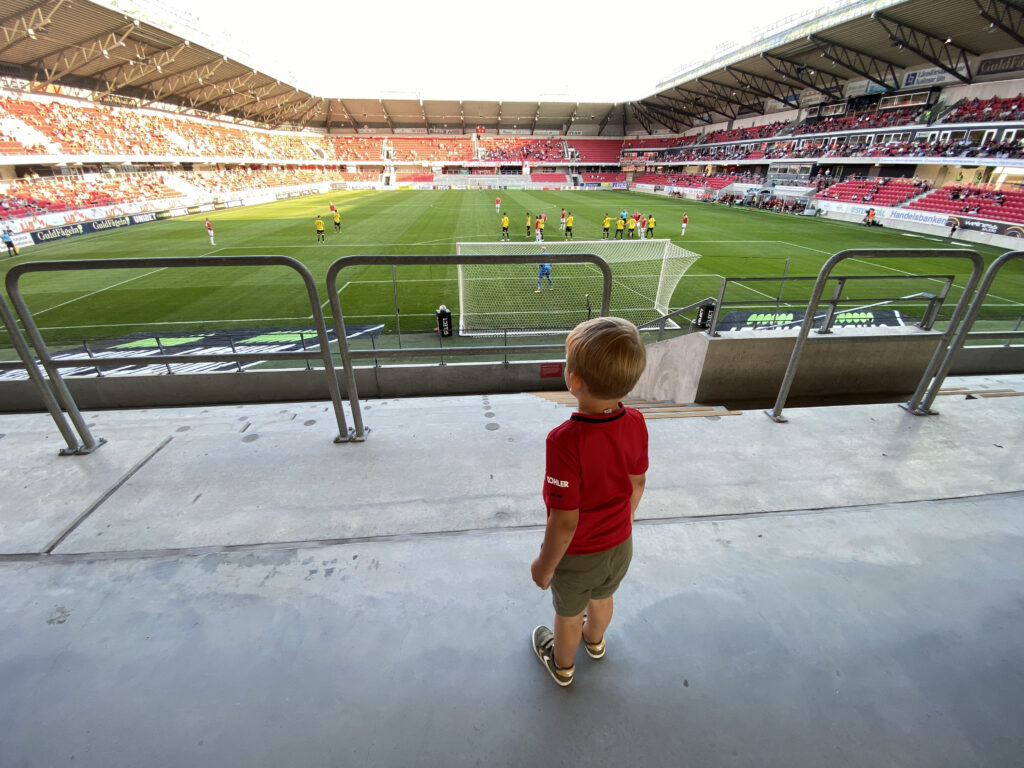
x=608, y=354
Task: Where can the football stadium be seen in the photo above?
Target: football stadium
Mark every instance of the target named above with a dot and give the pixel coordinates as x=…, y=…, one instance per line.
x=290, y=387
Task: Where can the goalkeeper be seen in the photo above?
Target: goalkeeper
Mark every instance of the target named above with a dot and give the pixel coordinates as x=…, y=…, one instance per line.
x=545, y=272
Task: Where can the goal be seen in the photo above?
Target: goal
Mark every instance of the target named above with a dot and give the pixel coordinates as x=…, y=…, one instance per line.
x=505, y=298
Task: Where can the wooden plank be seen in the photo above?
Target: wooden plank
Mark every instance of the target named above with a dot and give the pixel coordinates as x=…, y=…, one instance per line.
x=982, y=392
x=992, y=393
x=691, y=415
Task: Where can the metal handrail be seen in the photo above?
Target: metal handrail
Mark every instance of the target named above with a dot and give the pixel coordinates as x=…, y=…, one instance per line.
x=925, y=406
x=819, y=286
x=347, y=355
x=661, y=321
x=52, y=367
x=88, y=443
x=834, y=302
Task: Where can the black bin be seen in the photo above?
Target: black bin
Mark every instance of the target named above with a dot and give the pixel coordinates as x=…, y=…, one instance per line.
x=444, y=321
x=704, y=313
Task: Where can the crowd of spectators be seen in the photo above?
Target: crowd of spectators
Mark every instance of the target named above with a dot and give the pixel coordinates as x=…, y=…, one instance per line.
x=981, y=200
x=982, y=110
x=515, y=149
x=860, y=120
x=744, y=134
x=881, y=190
x=449, y=149
x=50, y=194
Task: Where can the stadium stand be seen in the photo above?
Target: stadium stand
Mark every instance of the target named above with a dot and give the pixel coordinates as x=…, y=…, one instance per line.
x=356, y=147
x=994, y=110
x=549, y=178
x=63, y=193
x=596, y=150
x=601, y=178
x=450, y=149
x=517, y=149
x=879, y=191
x=745, y=134
x=414, y=177
x=983, y=201
x=862, y=120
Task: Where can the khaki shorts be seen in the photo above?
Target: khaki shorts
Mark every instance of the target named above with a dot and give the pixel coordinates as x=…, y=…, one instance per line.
x=581, y=578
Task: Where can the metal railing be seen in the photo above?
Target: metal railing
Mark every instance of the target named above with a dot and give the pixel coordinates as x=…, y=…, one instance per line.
x=924, y=406
x=88, y=443
x=940, y=351
x=52, y=366
x=349, y=355
x=661, y=322
x=933, y=301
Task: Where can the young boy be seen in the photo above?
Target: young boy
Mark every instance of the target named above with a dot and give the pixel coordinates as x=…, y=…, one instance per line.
x=596, y=467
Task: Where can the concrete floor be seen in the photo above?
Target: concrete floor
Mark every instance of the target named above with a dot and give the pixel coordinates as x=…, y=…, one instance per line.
x=844, y=589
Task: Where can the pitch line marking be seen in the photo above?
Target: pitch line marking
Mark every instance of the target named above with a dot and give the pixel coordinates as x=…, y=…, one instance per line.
x=93, y=293
x=107, y=288
x=905, y=272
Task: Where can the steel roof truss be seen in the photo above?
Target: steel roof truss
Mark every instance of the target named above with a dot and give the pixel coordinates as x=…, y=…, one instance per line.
x=663, y=115
x=873, y=68
x=824, y=83
x=1008, y=16
x=710, y=103
x=17, y=27
x=684, y=117
x=387, y=117
x=54, y=66
x=687, y=107
x=731, y=95
x=348, y=112
x=141, y=65
x=932, y=48
x=641, y=115
x=172, y=83
x=784, y=93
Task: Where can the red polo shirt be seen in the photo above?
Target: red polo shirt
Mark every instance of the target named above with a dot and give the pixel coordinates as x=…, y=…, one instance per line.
x=589, y=461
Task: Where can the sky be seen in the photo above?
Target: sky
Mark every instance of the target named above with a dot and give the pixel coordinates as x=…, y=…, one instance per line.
x=572, y=50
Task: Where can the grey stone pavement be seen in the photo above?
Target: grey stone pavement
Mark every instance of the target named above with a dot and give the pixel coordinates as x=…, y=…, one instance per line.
x=227, y=586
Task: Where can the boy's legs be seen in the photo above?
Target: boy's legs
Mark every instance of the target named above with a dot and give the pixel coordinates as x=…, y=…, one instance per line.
x=568, y=631
x=599, y=616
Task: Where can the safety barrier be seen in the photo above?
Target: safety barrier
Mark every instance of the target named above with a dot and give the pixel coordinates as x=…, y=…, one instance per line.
x=924, y=406
x=819, y=286
x=60, y=397
x=348, y=355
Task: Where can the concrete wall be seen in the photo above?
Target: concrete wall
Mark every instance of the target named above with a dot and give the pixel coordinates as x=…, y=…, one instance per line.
x=288, y=385
x=700, y=369
x=675, y=371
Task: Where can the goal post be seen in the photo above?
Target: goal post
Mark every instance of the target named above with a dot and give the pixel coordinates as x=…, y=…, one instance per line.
x=518, y=299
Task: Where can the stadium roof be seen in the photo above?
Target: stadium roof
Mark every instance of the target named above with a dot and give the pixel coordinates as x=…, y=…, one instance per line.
x=82, y=44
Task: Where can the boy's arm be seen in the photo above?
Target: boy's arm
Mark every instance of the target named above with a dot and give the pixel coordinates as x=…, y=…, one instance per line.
x=638, y=482
x=557, y=537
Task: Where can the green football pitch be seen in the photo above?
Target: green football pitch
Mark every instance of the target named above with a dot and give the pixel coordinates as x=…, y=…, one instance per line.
x=75, y=306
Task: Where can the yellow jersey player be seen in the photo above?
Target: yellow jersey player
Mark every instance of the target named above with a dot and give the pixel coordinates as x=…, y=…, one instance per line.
x=540, y=226
x=504, y=226
x=337, y=222
x=620, y=223
x=632, y=227
x=321, y=237
x=650, y=225
x=529, y=229
x=605, y=226
x=568, y=227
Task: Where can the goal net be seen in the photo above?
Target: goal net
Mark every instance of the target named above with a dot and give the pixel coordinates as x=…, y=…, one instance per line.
x=515, y=299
